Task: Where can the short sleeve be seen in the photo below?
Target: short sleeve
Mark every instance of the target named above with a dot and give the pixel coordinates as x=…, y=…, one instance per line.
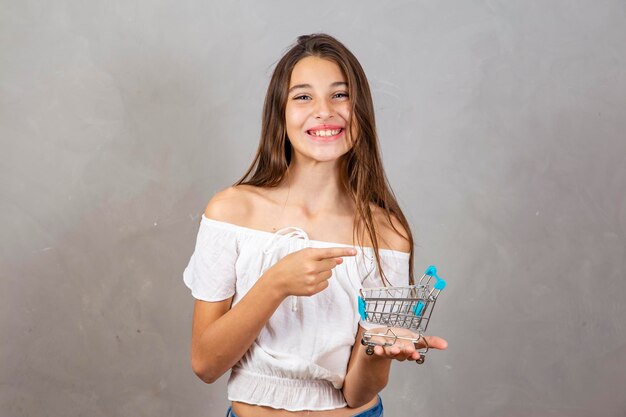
x=210, y=274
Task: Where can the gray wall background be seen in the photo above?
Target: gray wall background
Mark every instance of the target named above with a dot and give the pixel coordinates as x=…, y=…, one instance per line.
x=503, y=130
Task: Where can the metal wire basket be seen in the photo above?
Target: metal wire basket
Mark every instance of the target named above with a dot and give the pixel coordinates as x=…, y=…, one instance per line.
x=400, y=307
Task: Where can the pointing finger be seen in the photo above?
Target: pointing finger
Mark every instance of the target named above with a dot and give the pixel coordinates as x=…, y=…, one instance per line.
x=325, y=253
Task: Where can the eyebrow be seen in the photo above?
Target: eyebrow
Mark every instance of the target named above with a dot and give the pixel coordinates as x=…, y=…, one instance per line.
x=335, y=84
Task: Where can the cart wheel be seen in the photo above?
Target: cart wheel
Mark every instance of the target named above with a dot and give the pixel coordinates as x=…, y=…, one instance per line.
x=369, y=350
x=363, y=342
x=421, y=360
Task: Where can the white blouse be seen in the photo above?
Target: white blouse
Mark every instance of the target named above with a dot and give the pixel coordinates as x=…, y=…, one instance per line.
x=299, y=360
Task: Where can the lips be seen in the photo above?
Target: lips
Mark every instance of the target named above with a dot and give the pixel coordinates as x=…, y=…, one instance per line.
x=325, y=133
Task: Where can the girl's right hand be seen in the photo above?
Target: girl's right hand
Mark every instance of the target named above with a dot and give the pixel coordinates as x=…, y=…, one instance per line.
x=306, y=272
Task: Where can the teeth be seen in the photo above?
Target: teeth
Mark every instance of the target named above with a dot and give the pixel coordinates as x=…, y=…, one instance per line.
x=326, y=132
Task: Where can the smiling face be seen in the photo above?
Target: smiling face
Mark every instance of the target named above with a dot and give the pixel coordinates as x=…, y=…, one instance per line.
x=317, y=113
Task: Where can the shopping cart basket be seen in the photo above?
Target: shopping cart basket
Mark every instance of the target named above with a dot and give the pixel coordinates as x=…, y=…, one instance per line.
x=400, y=307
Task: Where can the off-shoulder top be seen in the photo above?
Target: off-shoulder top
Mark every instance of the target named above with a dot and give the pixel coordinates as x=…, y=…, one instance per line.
x=299, y=360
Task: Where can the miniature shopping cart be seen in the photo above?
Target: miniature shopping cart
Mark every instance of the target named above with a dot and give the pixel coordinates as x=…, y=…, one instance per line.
x=400, y=307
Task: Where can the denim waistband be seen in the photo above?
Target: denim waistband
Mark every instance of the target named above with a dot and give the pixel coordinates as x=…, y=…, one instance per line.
x=374, y=411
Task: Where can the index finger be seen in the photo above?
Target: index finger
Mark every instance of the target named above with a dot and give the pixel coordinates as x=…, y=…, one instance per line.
x=326, y=253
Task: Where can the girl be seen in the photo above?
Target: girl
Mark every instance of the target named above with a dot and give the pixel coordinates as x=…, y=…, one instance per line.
x=278, y=305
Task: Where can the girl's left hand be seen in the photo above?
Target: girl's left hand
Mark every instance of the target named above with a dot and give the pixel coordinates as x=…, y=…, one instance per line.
x=403, y=349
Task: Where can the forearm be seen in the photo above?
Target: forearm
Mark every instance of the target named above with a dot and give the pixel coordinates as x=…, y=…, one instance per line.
x=223, y=342
x=366, y=377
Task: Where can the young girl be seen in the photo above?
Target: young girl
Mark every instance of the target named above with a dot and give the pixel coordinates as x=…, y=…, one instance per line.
x=281, y=256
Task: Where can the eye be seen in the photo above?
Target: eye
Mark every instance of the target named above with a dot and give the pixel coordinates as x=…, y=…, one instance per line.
x=341, y=95
x=302, y=97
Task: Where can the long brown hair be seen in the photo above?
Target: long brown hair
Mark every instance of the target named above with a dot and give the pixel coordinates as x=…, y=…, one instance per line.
x=361, y=169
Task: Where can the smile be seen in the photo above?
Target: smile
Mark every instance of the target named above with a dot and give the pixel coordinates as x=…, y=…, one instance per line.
x=325, y=134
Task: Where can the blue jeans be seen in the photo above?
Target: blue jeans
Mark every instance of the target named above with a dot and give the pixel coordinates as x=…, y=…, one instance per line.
x=375, y=411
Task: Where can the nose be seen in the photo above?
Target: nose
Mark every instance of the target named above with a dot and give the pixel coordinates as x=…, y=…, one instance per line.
x=323, y=110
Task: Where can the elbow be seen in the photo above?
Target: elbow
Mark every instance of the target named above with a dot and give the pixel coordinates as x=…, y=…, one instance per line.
x=360, y=397
x=205, y=372
x=353, y=404
x=207, y=378
x=357, y=402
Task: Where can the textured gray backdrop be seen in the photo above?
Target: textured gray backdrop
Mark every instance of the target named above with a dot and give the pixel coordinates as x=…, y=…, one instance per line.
x=503, y=131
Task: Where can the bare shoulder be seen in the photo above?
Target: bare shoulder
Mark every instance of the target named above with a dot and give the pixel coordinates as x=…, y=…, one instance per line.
x=232, y=205
x=392, y=234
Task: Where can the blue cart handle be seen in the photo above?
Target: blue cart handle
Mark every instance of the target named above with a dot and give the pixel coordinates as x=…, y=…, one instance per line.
x=432, y=272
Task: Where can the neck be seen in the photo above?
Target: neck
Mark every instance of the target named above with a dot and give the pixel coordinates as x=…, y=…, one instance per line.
x=315, y=188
